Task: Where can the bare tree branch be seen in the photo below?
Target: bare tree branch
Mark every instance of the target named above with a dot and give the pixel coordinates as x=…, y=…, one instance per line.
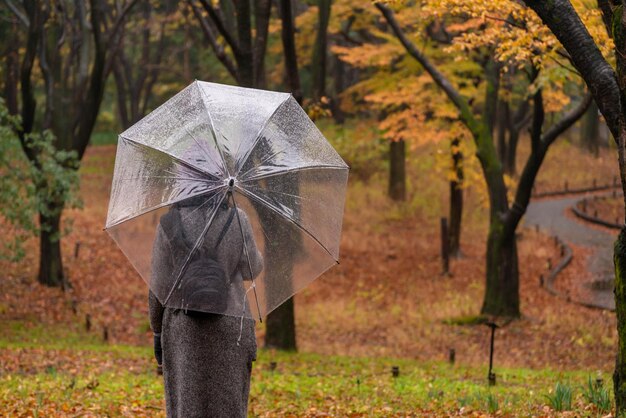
x=17, y=12
x=466, y=115
x=565, y=24
x=607, y=15
x=221, y=28
x=220, y=53
x=567, y=121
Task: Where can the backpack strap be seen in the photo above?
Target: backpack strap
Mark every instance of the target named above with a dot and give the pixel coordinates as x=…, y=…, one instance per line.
x=226, y=226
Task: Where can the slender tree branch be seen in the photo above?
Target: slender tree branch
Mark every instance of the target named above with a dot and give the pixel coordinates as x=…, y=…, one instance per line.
x=17, y=12
x=565, y=67
x=565, y=24
x=567, y=121
x=537, y=155
x=510, y=22
x=466, y=115
x=221, y=28
x=218, y=49
x=607, y=15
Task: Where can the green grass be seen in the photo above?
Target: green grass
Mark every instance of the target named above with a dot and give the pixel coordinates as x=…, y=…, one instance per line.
x=64, y=370
x=103, y=138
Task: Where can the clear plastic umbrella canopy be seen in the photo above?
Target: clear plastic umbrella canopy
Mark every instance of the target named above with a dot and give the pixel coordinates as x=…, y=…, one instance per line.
x=227, y=200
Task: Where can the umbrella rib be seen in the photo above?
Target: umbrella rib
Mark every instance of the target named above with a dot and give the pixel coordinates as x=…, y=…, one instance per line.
x=266, y=159
x=201, y=180
x=173, y=157
x=240, y=162
x=294, y=170
x=201, y=147
x=159, y=206
x=213, y=131
x=193, y=250
x=295, y=196
x=271, y=207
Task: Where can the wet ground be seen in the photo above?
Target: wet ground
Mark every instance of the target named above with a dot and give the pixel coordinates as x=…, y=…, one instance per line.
x=551, y=216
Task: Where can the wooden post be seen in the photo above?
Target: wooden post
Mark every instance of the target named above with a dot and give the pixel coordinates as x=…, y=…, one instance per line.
x=491, y=376
x=397, y=174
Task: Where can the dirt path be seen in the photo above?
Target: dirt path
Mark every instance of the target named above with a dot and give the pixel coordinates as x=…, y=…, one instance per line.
x=551, y=216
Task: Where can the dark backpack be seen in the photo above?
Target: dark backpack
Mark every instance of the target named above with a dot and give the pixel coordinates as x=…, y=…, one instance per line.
x=204, y=283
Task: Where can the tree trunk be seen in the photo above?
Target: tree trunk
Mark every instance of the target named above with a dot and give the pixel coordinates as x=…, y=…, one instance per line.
x=510, y=166
x=397, y=175
x=501, y=125
x=262, y=10
x=318, y=61
x=50, y=262
x=289, y=50
x=502, y=284
x=245, y=55
x=456, y=201
x=280, y=331
x=619, y=374
x=590, y=130
x=280, y=327
x=339, y=69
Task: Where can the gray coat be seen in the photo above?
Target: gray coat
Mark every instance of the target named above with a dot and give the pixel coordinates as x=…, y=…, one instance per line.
x=206, y=370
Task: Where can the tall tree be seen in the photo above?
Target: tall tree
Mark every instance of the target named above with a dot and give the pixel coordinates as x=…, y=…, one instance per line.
x=74, y=45
x=280, y=328
x=502, y=275
x=137, y=64
x=232, y=22
x=608, y=86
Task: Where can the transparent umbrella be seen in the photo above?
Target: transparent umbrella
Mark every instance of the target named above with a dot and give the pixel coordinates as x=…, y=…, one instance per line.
x=227, y=200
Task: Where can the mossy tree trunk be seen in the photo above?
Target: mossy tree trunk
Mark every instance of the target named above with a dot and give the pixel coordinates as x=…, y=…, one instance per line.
x=609, y=92
x=502, y=277
x=280, y=327
x=75, y=53
x=50, y=259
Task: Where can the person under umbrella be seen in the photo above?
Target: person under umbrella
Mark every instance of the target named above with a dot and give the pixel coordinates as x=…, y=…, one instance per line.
x=206, y=357
x=194, y=183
